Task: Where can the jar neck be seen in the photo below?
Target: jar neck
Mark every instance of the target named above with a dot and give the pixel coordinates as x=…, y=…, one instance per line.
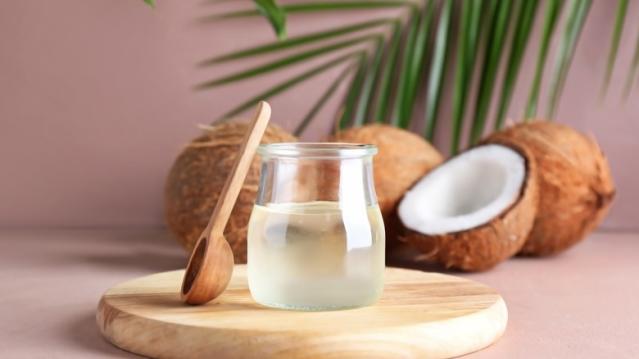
x=317, y=150
x=290, y=179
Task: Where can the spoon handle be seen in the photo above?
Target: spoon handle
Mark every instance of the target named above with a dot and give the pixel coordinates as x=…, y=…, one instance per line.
x=234, y=183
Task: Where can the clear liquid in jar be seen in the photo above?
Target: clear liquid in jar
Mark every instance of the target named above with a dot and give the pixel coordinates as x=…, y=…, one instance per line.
x=315, y=255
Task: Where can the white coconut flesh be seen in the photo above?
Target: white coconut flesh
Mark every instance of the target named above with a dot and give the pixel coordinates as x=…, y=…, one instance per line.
x=465, y=192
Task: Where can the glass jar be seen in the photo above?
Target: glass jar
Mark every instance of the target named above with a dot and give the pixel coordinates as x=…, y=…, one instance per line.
x=316, y=234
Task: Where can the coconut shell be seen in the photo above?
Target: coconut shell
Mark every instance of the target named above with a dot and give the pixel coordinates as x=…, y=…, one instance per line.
x=196, y=180
x=403, y=158
x=575, y=182
x=483, y=247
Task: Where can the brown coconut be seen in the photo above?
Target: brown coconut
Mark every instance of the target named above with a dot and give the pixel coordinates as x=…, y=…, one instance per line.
x=402, y=159
x=487, y=245
x=575, y=182
x=196, y=180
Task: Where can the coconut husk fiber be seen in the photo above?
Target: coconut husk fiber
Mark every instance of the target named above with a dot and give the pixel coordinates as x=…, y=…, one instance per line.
x=196, y=179
x=576, y=187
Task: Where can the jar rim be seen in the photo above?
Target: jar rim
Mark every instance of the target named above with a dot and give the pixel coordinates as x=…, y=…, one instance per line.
x=319, y=150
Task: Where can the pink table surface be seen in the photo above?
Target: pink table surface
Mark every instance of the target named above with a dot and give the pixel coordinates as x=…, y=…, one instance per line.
x=581, y=304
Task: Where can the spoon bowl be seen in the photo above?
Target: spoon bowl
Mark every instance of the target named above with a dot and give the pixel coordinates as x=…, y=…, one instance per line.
x=213, y=256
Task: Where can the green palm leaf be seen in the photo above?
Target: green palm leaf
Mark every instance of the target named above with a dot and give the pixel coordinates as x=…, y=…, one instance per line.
x=275, y=15
x=577, y=17
x=323, y=99
x=499, y=29
x=634, y=66
x=437, y=69
x=370, y=79
x=524, y=22
x=316, y=7
x=622, y=7
x=466, y=52
x=283, y=86
x=553, y=10
x=417, y=61
x=350, y=104
x=383, y=90
x=277, y=64
x=297, y=41
x=398, y=116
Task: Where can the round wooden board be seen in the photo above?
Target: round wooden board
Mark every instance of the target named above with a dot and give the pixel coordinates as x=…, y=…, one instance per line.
x=420, y=315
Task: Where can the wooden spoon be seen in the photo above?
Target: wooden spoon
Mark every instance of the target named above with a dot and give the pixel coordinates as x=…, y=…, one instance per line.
x=211, y=263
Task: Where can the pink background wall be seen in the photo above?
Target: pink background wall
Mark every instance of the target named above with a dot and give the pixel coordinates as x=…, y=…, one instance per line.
x=96, y=100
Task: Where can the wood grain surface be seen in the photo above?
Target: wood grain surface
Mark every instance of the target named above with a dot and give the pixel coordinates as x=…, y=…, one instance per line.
x=420, y=315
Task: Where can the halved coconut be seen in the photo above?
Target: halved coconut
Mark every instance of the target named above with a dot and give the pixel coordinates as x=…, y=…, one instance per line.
x=473, y=211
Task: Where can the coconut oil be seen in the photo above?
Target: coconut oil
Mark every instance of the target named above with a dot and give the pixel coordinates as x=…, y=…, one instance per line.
x=317, y=255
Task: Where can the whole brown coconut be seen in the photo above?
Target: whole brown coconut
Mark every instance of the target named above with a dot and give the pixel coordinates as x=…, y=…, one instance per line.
x=402, y=159
x=489, y=244
x=575, y=183
x=196, y=180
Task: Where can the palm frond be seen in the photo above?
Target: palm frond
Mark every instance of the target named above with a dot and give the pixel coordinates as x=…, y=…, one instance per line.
x=388, y=59
x=352, y=98
x=383, y=91
x=297, y=41
x=634, y=66
x=523, y=25
x=622, y=7
x=551, y=15
x=371, y=77
x=468, y=38
x=315, y=7
x=437, y=70
x=299, y=130
x=398, y=116
x=275, y=15
x=283, y=86
x=289, y=60
x=494, y=47
x=418, y=60
x=577, y=16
